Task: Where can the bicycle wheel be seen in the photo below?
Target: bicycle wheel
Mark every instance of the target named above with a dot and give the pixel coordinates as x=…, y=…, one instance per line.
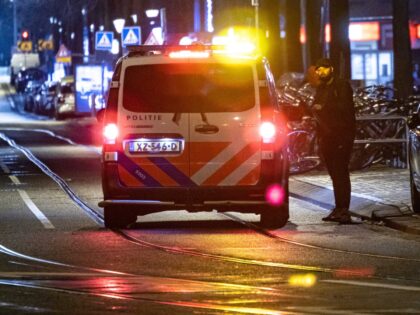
x=365, y=155
x=302, y=157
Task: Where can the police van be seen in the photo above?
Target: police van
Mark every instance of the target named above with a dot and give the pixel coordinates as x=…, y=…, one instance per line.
x=193, y=128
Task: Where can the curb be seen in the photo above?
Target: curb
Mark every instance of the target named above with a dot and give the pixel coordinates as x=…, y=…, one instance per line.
x=395, y=224
x=406, y=223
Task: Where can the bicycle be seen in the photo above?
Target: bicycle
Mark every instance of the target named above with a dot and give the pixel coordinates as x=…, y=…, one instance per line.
x=302, y=146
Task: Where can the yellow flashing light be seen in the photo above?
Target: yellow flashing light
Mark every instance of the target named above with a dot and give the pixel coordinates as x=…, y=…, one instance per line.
x=236, y=42
x=189, y=54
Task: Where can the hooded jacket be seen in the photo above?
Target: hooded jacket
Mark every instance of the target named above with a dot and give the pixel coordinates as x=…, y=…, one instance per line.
x=336, y=119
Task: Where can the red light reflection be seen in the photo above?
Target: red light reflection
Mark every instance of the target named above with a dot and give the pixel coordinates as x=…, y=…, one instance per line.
x=354, y=272
x=275, y=195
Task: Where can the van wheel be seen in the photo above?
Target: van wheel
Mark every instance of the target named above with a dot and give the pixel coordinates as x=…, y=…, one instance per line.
x=275, y=217
x=117, y=218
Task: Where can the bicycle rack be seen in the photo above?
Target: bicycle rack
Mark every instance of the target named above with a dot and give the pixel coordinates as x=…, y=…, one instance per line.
x=375, y=136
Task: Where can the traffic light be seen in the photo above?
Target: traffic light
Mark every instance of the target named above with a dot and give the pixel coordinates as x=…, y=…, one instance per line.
x=25, y=35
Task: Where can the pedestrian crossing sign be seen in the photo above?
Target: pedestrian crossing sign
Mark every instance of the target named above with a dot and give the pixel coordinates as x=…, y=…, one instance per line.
x=103, y=40
x=63, y=55
x=131, y=36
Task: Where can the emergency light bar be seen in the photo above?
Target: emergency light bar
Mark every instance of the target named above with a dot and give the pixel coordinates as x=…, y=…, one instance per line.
x=192, y=51
x=170, y=48
x=189, y=54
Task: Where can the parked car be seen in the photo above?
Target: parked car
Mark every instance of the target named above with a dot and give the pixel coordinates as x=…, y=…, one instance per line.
x=30, y=94
x=44, y=99
x=64, y=103
x=25, y=76
x=414, y=159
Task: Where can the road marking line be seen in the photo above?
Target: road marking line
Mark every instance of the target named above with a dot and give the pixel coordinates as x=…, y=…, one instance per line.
x=93, y=148
x=374, y=285
x=29, y=203
x=15, y=180
x=4, y=167
x=61, y=182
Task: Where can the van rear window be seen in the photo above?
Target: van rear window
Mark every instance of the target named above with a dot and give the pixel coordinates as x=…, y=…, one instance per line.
x=189, y=87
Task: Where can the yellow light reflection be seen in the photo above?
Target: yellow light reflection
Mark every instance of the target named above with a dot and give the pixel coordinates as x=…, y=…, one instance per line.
x=226, y=308
x=303, y=280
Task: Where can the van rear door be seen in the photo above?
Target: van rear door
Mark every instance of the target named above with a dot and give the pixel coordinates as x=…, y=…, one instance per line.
x=155, y=130
x=224, y=123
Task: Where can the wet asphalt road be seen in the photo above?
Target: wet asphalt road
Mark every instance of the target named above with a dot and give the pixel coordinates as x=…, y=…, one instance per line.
x=56, y=256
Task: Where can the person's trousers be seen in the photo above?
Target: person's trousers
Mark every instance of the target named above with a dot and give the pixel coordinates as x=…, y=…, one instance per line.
x=336, y=154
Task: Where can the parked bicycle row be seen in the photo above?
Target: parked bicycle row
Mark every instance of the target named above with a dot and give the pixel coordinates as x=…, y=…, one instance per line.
x=381, y=133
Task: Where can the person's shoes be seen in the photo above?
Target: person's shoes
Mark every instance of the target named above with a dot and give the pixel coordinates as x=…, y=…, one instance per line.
x=329, y=217
x=342, y=216
x=339, y=215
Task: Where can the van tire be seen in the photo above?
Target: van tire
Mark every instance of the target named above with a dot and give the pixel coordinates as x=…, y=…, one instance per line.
x=275, y=217
x=117, y=218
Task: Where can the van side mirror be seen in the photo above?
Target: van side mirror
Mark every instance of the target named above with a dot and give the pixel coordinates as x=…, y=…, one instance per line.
x=100, y=115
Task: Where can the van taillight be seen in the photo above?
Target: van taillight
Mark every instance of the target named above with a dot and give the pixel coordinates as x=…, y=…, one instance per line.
x=267, y=132
x=110, y=133
x=110, y=130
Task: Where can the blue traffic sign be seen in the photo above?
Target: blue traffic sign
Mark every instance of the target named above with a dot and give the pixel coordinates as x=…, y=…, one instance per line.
x=103, y=40
x=131, y=36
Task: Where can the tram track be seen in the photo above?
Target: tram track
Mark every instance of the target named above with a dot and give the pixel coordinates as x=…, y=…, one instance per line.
x=98, y=218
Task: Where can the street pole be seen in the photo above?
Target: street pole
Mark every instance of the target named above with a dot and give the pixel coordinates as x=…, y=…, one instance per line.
x=85, y=36
x=163, y=24
x=256, y=4
x=14, y=23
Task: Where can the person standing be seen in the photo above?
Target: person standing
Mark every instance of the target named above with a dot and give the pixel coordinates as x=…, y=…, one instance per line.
x=334, y=112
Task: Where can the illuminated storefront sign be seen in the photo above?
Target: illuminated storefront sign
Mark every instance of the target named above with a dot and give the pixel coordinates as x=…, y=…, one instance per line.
x=327, y=33
x=364, y=31
x=360, y=31
x=302, y=34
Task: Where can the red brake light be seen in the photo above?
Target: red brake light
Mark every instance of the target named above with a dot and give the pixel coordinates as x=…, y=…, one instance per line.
x=110, y=133
x=267, y=132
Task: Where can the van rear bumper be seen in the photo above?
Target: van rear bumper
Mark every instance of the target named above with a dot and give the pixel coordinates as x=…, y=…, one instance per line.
x=155, y=205
x=201, y=198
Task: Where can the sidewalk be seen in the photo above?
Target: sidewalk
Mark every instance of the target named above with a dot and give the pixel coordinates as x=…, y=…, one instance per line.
x=379, y=193
x=4, y=75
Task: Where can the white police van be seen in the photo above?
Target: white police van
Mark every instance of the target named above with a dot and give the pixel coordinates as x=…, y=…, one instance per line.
x=194, y=128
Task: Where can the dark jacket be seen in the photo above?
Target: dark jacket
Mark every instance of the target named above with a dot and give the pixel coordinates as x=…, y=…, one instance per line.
x=336, y=119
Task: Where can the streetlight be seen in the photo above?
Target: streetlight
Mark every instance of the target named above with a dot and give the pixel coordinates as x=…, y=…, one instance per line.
x=119, y=25
x=152, y=13
x=134, y=17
